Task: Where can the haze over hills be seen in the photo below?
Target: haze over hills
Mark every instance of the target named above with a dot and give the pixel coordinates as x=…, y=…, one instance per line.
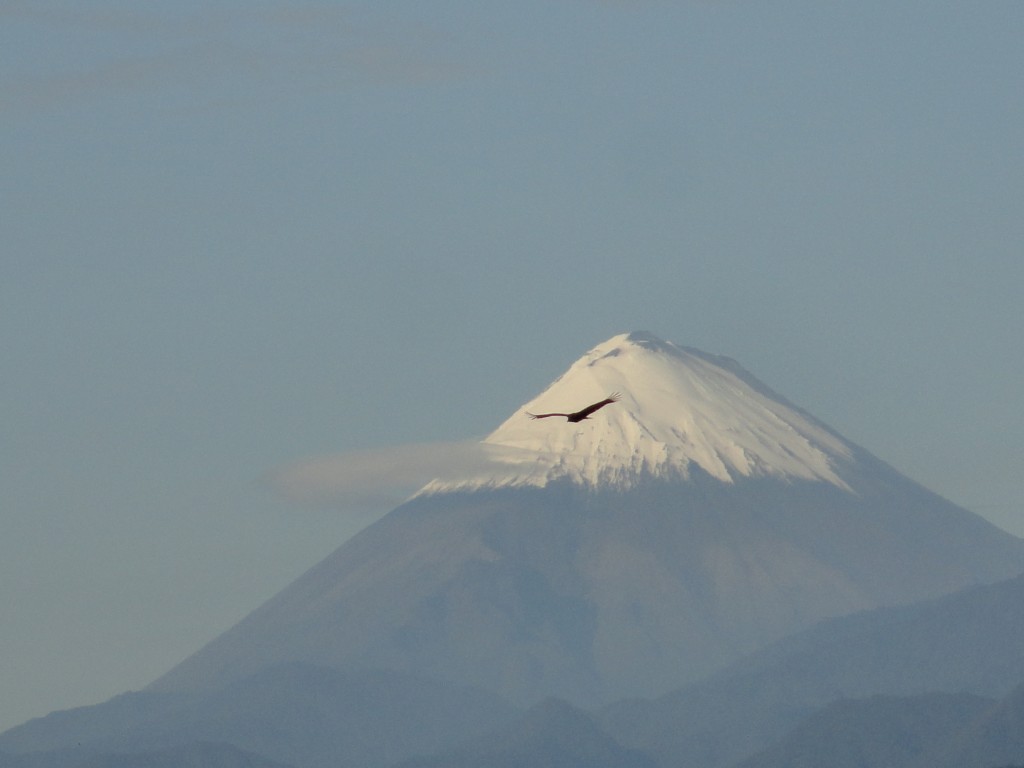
x=783, y=695
x=963, y=643
x=552, y=733
x=680, y=530
x=197, y=755
x=877, y=732
x=300, y=715
x=697, y=519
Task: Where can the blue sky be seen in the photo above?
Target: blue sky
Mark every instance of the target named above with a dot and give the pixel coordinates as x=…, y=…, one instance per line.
x=241, y=234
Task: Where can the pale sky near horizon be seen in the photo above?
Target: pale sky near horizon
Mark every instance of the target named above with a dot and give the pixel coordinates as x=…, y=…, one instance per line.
x=240, y=234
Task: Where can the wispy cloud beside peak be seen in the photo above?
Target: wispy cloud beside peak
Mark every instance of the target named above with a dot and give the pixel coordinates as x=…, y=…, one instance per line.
x=389, y=475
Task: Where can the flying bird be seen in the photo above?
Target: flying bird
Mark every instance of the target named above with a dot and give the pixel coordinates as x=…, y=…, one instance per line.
x=581, y=414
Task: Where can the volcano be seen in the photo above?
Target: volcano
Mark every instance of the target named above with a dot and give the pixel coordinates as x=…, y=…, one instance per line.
x=695, y=520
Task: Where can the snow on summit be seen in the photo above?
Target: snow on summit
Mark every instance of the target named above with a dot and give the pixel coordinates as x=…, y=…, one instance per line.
x=679, y=409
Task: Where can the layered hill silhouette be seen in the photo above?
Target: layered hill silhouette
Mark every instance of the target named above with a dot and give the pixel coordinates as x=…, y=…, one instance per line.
x=703, y=556
x=951, y=665
x=878, y=732
x=964, y=643
x=552, y=734
x=299, y=715
x=198, y=755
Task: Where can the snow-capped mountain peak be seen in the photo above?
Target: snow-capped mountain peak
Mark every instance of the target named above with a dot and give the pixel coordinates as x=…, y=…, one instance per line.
x=680, y=409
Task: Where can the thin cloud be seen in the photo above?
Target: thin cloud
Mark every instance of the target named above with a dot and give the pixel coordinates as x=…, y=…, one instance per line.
x=390, y=475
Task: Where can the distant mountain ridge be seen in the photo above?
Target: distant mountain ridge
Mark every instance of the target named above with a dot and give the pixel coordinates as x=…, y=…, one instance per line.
x=890, y=663
x=309, y=717
x=649, y=556
x=196, y=755
x=877, y=732
x=933, y=730
x=551, y=734
x=967, y=642
x=694, y=521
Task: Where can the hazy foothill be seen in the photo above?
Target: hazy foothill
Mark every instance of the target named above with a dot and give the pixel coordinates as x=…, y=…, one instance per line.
x=699, y=574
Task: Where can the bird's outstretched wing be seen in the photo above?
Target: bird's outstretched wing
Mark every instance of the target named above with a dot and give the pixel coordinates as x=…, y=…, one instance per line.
x=581, y=414
x=597, y=406
x=546, y=415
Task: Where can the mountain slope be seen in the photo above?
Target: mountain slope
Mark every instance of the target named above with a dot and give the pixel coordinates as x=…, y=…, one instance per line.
x=552, y=734
x=964, y=642
x=198, y=755
x=680, y=410
x=935, y=730
x=696, y=520
x=299, y=715
x=995, y=738
x=878, y=732
x=201, y=755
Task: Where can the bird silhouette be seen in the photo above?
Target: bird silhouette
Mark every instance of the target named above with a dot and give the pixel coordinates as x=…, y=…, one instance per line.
x=581, y=414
